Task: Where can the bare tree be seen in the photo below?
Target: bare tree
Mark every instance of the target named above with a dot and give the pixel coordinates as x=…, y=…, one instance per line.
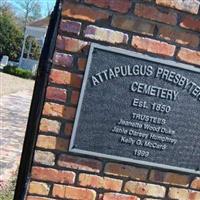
x=4, y=3
x=31, y=10
x=49, y=8
x=5, y=8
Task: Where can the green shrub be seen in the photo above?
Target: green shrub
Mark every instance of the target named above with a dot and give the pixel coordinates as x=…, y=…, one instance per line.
x=23, y=73
x=8, y=192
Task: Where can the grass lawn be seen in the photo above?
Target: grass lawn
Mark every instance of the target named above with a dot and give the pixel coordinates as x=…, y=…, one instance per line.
x=8, y=193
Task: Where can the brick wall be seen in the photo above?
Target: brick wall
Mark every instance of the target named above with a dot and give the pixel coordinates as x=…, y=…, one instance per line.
x=161, y=28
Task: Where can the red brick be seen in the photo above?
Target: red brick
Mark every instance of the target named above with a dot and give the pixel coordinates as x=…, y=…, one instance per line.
x=189, y=56
x=107, y=35
x=80, y=193
x=65, y=78
x=100, y=197
x=120, y=6
x=49, y=174
x=68, y=129
x=56, y=110
x=69, y=113
x=151, y=199
x=44, y=157
x=133, y=24
x=190, y=22
x=126, y=171
x=74, y=193
x=54, y=143
x=153, y=13
x=75, y=97
x=62, y=59
x=94, y=181
x=145, y=189
x=153, y=46
x=47, y=125
x=118, y=196
x=183, y=194
x=179, y=193
x=53, y=109
x=70, y=44
x=81, y=64
x=61, y=144
x=39, y=188
x=58, y=191
x=186, y=5
x=70, y=26
x=169, y=178
x=116, y=5
x=57, y=94
x=180, y=37
x=79, y=163
x=194, y=195
x=37, y=198
x=99, y=3
x=82, y=12
x=196, y=183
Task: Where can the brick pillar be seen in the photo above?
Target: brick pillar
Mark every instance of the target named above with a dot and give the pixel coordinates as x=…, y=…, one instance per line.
x=162, y=28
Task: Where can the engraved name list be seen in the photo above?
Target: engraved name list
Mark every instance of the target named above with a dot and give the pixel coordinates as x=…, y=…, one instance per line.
x=140, y=109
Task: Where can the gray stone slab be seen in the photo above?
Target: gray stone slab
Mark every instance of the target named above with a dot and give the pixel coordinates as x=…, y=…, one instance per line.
x=139, y=109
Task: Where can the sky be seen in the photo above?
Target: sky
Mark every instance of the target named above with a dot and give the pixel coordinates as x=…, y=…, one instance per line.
x=43, y=3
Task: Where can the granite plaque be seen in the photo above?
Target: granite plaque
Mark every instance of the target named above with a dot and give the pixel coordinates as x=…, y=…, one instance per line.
x=140, y=109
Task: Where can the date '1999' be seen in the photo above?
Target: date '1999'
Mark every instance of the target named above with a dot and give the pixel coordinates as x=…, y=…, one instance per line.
x=141, y=153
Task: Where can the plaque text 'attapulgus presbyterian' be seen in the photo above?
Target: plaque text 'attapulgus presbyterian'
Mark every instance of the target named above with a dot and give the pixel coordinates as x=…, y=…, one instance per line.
x=139, y=109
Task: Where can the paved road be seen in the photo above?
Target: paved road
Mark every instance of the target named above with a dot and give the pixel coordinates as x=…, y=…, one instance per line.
x=10, y=84
x=14, y=109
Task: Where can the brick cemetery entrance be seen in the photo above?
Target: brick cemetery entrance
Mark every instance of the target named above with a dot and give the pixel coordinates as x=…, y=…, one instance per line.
x=116, y=106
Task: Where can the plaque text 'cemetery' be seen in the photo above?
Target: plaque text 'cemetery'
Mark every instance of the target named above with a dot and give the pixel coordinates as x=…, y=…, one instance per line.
x=139, y=109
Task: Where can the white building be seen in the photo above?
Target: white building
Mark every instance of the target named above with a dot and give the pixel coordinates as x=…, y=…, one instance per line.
x=37, y=30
